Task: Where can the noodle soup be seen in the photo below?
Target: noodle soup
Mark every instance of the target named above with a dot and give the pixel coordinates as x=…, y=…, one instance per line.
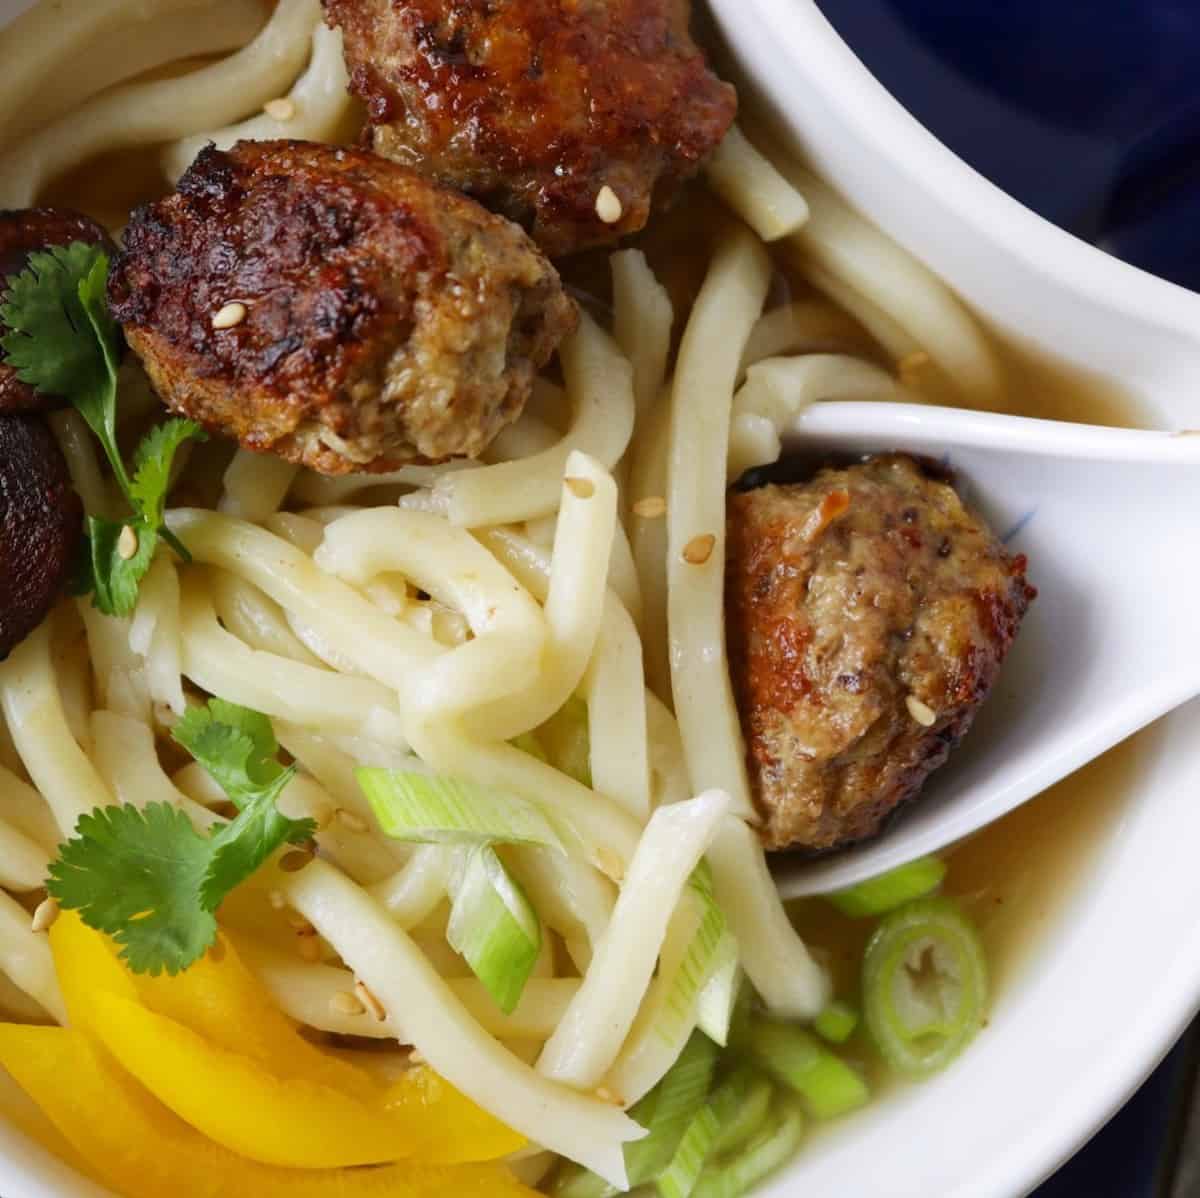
x=401, y=817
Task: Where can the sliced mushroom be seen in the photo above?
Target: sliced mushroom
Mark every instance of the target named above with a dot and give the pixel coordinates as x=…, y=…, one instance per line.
x=23, y=232
x=41, y=525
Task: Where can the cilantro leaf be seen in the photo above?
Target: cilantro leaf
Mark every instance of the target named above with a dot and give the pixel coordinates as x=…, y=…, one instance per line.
x=148, y=878
x=135, y=874
x=152, y=465
x=115, y=579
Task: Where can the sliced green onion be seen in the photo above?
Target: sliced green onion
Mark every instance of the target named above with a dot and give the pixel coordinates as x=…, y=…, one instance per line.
x=430, y=809
x=495, y=928
x=707, y=950
x=797, y=1059
x=776, y=1145
x=719, y=995
x=566, y=741
x=743, y=1103
x=924, y=985
x=877, y=896
x=707, y=1130
x=666, y=1113
x=836, y=1023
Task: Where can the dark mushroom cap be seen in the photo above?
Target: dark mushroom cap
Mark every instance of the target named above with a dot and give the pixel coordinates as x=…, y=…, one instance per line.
x=41, y=525
x=23, y=232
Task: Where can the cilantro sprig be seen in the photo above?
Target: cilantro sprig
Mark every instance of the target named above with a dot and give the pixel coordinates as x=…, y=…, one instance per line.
x=62, y=340
x=147, y=878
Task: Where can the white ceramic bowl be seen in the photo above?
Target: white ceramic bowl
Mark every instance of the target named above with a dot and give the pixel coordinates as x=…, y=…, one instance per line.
x=1117, y=977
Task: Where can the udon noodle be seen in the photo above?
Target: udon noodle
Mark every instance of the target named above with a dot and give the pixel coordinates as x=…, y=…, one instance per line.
x=429, y=616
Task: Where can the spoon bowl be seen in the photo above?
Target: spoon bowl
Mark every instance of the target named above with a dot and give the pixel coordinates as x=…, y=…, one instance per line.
x=1112, y=641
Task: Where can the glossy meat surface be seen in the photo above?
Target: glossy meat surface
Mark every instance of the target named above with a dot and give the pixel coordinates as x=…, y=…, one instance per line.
x=24, y=231
x=535, y=106
x=335, y=308
x=868, y=612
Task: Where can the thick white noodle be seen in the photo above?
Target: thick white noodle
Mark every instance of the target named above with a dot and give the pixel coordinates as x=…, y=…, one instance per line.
x=320, y=101
x=41, y=45
x=382, y=648
x=163, y=110
x=168, y=31
x=28, y=812
x=668, y=769
x=449, y=564
x=126, y=759
x=573, y=608
x=414, y=891
x=806, y=326
x=25, y=958
x=896, y=341
x=322, y=489
x=219, y=663
x=615, y=687
x=119, y=672
x=600, y=384
x=790, y=982
x=839, y=241
x=530, y=435
x=777, y=390
x=252, y=617
x=256, y=484
x=154, y=634
x=23, y=862
x=33, y=708
x=623, y=576
x=725, y=311
x=642, y=319
x=589, y=1037
x=658, y=1034
x=73, y=669
x=750, y=184
x=439, y=1025
x=571, y=897
x=307, y=992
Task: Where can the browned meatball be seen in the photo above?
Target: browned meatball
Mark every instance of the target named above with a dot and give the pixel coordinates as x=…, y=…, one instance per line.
x=535, y=106
x=868, y=612
x=41, y=524
x=335, y=308
x=22, y=232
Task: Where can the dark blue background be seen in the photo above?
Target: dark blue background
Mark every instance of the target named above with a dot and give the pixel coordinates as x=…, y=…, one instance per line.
x=1089, y=112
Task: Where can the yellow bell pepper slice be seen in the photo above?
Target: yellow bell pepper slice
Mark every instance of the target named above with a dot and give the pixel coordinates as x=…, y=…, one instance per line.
x=211, y=1046
x=140, y=1149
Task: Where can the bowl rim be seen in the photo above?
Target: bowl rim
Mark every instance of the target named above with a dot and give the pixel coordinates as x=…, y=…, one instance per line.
x=801, y=32
x=801, y=29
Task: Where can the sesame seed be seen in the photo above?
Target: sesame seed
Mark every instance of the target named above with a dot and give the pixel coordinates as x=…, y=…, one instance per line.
x=699, y=549
x=416, y=1057
x=653, y=507
x=295, y=861
x=369, y=1001
x=45, y=915
x=608, y=205
x=309, y=948
x=581, y=488
x=606, y=1095
x=921, y=712
x=127, y=543
x=229, y=316
x=282, y=109
x=344, y=1003
x=352, y=821
x=276, y=899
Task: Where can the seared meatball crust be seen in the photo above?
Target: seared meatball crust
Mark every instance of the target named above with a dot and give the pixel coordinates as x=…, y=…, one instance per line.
x=382, y=318
x=868, y=612
x=534, y=106
x=24, y=231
